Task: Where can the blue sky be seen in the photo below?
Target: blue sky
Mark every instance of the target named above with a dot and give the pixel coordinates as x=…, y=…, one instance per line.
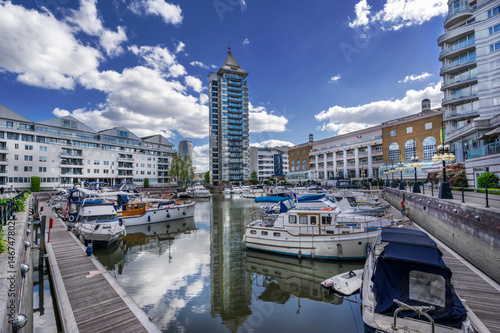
x=322, y=67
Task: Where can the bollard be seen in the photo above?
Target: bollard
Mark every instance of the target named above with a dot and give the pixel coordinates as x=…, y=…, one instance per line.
x=432, y=190
x=463, y=196
x=51, y=225
x=486, y=190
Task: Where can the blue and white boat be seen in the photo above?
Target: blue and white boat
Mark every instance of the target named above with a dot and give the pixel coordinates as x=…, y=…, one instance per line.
x=407, y=287
x=311, y=232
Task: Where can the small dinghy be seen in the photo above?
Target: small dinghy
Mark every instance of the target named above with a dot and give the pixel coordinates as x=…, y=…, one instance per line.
x=346, y=283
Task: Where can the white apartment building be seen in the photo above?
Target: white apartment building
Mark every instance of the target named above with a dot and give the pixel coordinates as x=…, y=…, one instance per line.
x=470, y=70
x=64, y=151
x=354, y=155
x=269, y=162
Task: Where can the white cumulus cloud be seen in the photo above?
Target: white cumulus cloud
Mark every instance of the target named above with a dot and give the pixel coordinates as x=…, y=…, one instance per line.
x=89, y=21
x=263, y=121
x=200, y=158
x=334, y=78
x=246, y=41
x=196, y=63
x=342, y=120
x=41, y=50
x=397, y=14
x=171, y=14
x=272, y=143
x=159, y=58
x=413, y=77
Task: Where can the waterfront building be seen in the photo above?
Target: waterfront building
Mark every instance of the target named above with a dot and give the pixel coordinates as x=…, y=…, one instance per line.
x=470, y=56
x=356, y=155
x=416, y=135
x=228, y=119
x=64, y=151
x=298, y=162
x=186, y=149
x=269, y=162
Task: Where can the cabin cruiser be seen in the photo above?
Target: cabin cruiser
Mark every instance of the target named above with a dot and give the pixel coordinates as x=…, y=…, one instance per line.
x=98, y=223
x=198, y=191
x=407, y=286
x=312, y=232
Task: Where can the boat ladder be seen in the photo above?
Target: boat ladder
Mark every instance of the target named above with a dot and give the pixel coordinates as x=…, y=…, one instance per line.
x=421, y=310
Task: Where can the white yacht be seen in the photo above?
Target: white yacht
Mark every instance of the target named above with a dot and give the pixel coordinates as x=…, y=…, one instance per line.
x=98, y=223
x=198, y=191
x=317, y=233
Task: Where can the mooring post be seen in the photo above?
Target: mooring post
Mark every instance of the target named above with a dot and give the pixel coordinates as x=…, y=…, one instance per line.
x=486, y=190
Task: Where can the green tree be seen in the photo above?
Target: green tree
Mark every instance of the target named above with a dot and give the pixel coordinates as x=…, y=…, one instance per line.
x=253, y=177
x=176, y=167
x=146, y=182
x=487, y=179
x=188, y=171
x=35, y=184
x=207, y=177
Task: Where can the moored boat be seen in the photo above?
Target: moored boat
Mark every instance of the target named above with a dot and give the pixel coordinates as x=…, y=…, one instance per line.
x=144, y=212
x=97, y=222
x=346, y=283
x=407, y=287
x=198, y=191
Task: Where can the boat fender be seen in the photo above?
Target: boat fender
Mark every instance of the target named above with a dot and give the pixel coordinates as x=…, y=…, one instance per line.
x=402, y=204
x=184, y=213
x=168, y=215
x=407, y=215
x=120, y=222
x=71, y=218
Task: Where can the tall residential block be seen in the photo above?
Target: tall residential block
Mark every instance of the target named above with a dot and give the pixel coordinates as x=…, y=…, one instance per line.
x=470, y=56
x=228, y=99
x=186, y=148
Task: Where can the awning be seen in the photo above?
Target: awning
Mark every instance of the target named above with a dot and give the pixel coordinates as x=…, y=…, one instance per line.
x=491, y=134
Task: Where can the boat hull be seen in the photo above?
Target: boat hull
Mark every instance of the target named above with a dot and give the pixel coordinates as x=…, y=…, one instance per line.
x=340, y=247
x=165, y=213
x=102, y=236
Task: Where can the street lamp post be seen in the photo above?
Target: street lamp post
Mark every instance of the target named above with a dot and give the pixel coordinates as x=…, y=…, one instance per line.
x=393, y=171
x=401, y=168
x=386, y=172
x=444, y=155
x=415, y=164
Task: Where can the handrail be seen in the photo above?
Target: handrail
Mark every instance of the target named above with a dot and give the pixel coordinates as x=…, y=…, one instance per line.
x=421, y=310
x=7, y=209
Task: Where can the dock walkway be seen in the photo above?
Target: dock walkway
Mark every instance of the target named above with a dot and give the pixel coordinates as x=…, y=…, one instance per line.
x=481, y=294
x=89, y=299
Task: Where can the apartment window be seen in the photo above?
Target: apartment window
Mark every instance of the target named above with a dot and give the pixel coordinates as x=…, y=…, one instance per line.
x=10, y=124
x=42, y=169
x=16, y=146
x=392, y=133
x=28, y=169
x=96, y=170
x=43, y=148
x=494, y=11
x=96, y=162
x=428, y=126
x=409, y=129
x=496, y=100
x=494, y=29
x=16, y=168
x=16, y=157
x=495, y=47
x=42, y=158
x=28, y=157
x=105, y=171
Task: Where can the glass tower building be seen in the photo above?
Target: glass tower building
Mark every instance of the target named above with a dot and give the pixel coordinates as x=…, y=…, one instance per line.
x=228, y=100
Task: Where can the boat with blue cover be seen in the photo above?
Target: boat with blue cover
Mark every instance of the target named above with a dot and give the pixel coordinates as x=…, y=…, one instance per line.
x=407, y=287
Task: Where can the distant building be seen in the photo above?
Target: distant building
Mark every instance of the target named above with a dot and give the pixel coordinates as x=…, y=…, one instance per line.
x=354, y=155
x=298, y=162
x=186, y=148
x=269, y=162
x=470, y=54
x=416, y=135
x=228, y=119
x=64, y=151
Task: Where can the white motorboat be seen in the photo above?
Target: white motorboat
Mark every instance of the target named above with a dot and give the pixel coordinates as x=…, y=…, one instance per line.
x=226, y=191
x=317, y=233
x=346, y=283
x=407, y=287
x=98, y=223
x=236, y=190
x=198, y=191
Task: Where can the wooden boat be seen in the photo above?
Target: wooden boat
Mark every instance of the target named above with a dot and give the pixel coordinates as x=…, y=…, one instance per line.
x=407, y=287
x=144, y=212
x=346, y=283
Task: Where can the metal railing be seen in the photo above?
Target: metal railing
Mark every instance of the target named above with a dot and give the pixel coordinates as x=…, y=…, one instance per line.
x=7, y=209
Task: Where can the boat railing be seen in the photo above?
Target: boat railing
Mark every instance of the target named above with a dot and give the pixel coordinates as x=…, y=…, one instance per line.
x=420, y=310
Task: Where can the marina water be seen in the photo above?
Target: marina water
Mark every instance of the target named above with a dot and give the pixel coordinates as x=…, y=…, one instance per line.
x=194, y=275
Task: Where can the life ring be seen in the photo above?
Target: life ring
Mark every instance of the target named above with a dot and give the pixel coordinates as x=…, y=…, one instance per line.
x=71, y=218
x=178, y=202
x=327, y=208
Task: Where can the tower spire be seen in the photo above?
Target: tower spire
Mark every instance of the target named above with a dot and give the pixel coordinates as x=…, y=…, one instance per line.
x=229, y=47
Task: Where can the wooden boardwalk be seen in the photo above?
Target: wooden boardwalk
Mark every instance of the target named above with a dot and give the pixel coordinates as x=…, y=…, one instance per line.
x=88, y=298
x=481, y=294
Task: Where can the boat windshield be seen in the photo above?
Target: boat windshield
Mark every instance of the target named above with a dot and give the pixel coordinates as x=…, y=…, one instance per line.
x=99, y=218
x=427, y=287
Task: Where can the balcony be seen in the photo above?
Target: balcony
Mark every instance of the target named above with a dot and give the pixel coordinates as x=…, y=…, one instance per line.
x=234, y=83
x=4, y=160
x=76, y=163
x=450, y=51
x=456, y=15
x=453, y=67
x=489, y=149
x=125, y=159
x=125, y=166
x=453, y=115
x=467, y=79
x=71, y=154
x=4, y=149
x=457, y=99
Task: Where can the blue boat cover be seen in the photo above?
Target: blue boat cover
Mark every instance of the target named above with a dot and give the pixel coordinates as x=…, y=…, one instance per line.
x=274, y=199
x=408, y=254
x=311, y=197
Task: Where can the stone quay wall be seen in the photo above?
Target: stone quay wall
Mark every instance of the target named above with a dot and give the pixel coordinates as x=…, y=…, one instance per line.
x=472, y=232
